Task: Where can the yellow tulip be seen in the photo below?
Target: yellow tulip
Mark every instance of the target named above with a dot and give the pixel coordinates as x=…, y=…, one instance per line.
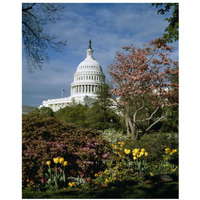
x=141, y=153
x=127, y=151
x=71, y=184
x=48, y=163
x=56, y=160
x=167, y=150
x=134, y=157
x=143, y=150
x=174, y=150
x=65, y=163
x=61, y=160
x=146, y=153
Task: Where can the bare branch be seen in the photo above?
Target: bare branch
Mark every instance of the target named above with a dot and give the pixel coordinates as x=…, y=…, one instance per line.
x=148, y=117
x=28, y=8
x=134, y=116
x=159, y=119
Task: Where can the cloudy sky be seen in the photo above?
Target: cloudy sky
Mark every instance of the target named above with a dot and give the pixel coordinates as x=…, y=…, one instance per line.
x=109, y=26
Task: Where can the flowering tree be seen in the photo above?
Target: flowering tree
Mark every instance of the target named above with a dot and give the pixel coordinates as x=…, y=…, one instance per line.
x=142, y=77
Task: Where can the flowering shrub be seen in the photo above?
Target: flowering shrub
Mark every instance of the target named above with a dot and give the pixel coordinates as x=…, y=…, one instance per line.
x=124, y=164
x=45, y=138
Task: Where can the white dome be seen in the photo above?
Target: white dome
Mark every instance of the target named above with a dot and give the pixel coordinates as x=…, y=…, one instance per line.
x=89, y=65
x=89, y=76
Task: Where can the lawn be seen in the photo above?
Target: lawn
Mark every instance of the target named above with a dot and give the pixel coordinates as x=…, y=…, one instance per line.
x=123, y=190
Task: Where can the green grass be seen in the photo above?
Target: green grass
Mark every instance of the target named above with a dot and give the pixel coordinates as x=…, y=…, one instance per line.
x=160, y=190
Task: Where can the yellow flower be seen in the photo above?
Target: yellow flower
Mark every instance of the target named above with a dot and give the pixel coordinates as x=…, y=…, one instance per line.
x=167, y=150
x=96, y=175
x=106, y=180
x=138, y=155
x=65, y=163
x=120, y=149
x=146, y=153
x=174, y=150
x=175, y=168
x=127, y=151
x=56, y=160
x=171, y=153
x=122, y=144
x=166, y=158
x=165, y=165
x=136, y=151
x=28, y=185
x=143, y=150
x=71, y=184
x=151, y=174
x=134, y=157
x=48, y=163
x=27, y=180
x=105, y=171
x=61, y=160
x=141, y=153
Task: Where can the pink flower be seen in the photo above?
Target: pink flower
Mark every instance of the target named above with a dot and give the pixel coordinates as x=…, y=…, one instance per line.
x=104, y=155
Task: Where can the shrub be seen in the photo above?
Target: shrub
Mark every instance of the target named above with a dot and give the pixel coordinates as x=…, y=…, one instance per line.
x=155, y=144
x=44, y=138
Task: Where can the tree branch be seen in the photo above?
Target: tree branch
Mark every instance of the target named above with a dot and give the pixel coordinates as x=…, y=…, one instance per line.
x=28, y=8
x=134, y=116
x=159, y=119
x=148, y=117
x=30, y=29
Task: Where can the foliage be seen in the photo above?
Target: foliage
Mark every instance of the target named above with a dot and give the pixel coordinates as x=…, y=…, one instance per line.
x=172, y=31
x=155, y=144
x=45, y=138
x=114, y=136
x=75, y=113
x=169, y=164
x=143, y=81
x=45, y=110
x=35, y=39
x=171, y=123
x=97, y=116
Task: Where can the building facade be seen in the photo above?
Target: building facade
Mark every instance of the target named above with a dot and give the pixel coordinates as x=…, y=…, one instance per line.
x=88, y=79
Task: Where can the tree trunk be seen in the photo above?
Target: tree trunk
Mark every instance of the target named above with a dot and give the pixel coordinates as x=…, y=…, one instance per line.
x=131, y=128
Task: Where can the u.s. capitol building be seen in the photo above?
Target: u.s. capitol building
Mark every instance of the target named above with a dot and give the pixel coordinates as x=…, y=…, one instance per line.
x=88, y=79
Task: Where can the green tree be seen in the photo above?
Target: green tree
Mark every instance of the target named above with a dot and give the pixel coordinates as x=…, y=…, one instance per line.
x=76, y=114
x=172, y=30
x=44, y=110
x=35, y=39
x=102, y=111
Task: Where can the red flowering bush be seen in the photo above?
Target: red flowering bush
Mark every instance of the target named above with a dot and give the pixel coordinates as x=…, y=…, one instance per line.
x=44, y=138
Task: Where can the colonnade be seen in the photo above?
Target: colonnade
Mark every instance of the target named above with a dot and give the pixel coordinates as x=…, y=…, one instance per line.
x=85, y=89
x=90, y=77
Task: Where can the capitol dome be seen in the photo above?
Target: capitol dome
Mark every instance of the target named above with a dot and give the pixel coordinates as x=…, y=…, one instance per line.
x=88, y=78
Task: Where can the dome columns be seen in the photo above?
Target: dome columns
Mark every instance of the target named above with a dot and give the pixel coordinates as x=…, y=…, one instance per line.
x=84, y=89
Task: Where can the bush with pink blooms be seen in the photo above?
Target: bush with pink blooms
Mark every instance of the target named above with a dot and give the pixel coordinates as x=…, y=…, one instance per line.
x=45, y=138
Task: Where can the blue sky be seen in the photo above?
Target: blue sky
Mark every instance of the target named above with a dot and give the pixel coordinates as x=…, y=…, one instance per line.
x=110, y=26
